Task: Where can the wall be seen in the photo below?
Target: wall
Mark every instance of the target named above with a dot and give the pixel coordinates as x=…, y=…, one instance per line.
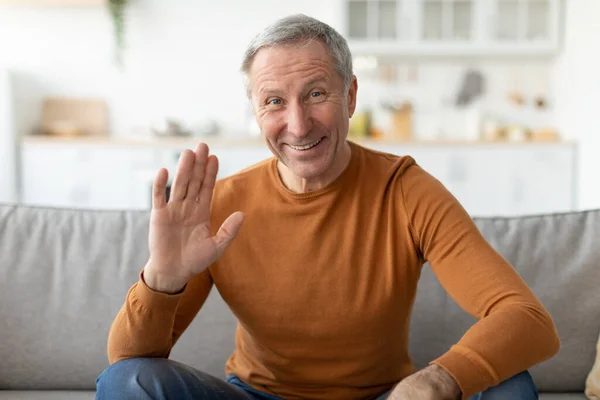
x=577, y=77
x=182, y=58
x=7, y=142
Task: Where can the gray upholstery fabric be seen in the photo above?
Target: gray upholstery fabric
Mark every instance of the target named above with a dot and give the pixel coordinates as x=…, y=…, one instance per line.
x=60, y=395
x=562, y=396
x=64, y=275
x=46, y=395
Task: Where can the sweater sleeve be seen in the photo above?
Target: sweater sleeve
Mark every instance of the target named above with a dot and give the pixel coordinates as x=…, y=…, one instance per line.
x=149, y=323
x=514, y=331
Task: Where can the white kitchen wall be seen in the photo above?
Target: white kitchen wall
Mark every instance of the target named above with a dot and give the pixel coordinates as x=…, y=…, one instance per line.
x=182, y=61
x=8, y=190
x=577, y=77
x=182, y=57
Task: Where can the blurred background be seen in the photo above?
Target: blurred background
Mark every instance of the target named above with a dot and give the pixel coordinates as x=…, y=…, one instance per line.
x=499, y=99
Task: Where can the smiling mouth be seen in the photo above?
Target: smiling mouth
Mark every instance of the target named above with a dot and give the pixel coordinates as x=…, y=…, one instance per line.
x=306, y=147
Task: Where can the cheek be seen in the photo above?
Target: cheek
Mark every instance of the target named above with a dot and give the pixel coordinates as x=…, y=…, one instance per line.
x=270, y=125
x=329, y=116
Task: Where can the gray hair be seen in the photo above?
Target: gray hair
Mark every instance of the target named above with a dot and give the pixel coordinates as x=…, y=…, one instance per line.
x=296, y=29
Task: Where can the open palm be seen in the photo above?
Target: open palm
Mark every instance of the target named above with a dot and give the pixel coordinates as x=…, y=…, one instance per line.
x=180, y=240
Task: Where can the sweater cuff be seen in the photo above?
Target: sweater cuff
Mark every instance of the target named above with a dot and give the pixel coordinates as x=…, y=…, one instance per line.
x=153, y=300
x=471, y=375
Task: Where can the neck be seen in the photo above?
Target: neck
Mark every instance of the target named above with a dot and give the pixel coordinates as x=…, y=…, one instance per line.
x=298, y=184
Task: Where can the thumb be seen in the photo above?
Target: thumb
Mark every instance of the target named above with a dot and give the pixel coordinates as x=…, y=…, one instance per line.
x=228, y=231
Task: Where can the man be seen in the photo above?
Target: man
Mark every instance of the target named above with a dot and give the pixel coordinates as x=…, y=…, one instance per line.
x=321, y=268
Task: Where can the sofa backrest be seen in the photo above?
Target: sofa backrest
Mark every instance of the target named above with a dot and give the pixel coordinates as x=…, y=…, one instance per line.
x=64, y=275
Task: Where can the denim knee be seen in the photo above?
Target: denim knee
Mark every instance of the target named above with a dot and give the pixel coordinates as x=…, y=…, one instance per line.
x=519, y=387
x=133, y=378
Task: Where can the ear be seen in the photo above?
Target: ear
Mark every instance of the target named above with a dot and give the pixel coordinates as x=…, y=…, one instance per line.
x=352, y=91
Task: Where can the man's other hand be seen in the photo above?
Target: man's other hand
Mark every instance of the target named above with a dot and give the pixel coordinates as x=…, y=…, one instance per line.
x=431, y=383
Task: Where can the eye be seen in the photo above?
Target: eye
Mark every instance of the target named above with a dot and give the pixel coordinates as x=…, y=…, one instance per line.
x=317, y=96
x=274, y=102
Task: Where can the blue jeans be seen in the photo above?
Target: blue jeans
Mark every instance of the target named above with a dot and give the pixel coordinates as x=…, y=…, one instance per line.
x=162, y=379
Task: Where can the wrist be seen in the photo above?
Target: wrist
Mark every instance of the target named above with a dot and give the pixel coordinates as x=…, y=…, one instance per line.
x=162, y=283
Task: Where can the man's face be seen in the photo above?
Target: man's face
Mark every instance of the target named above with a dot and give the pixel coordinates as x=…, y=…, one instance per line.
x=302, y=108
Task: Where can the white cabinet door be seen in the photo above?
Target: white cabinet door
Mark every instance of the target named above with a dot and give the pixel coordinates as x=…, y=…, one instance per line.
x=544, y=180
x=85, y=175
x=381, y=26
x=452, y=27
x=523, y=25
x=55, y=175
x=378, y=20
x=488, y=180
x=231, y=160
x=114, y=177
x=412, y=27
x=447, y=21
x=501, y=180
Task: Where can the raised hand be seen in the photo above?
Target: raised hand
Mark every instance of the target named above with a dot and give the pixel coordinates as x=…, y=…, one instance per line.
x=180, y=239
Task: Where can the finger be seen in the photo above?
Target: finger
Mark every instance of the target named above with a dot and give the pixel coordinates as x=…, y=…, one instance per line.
x=208, y=184
x=159, y=189
x=201, y=156
x=228, y=231
x=183, y=175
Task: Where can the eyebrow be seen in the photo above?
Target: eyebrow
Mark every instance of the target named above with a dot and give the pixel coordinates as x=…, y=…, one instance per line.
x=274, y=92
x=313, y=82
x=269, y=92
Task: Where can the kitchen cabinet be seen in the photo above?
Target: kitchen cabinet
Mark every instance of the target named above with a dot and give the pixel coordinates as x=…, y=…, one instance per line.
x=501, y=179
x=79, y=175
x=488, y=179
x=108, y=176
x=452, y=27
x=53, y=176
x=524, y=21
x=231, y=160
x=443, y=20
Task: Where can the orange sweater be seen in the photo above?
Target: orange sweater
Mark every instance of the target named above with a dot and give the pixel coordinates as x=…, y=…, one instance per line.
x=323, y=282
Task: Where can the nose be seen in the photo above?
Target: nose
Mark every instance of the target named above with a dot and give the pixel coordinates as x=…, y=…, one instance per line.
x=298, y=120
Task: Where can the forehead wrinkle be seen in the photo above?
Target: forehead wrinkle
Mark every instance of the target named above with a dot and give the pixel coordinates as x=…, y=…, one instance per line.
x=268, y=84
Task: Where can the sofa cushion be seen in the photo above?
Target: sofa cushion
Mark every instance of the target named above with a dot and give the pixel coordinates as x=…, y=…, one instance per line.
x=64, y=275
x=592, y=383
x=82, y=395
x=562, y=396
x=47, y=395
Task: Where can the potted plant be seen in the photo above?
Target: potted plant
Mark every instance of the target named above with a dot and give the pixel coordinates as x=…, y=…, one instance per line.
x=117, y=13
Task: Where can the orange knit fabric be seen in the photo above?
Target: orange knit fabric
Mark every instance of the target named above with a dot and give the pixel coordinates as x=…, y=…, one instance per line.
x=323, y=282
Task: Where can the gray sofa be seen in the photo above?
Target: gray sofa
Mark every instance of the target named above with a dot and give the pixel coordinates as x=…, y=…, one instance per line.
x=64, y=275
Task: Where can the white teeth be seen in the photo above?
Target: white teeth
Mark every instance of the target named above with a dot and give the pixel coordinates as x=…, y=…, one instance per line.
x=308, y=146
